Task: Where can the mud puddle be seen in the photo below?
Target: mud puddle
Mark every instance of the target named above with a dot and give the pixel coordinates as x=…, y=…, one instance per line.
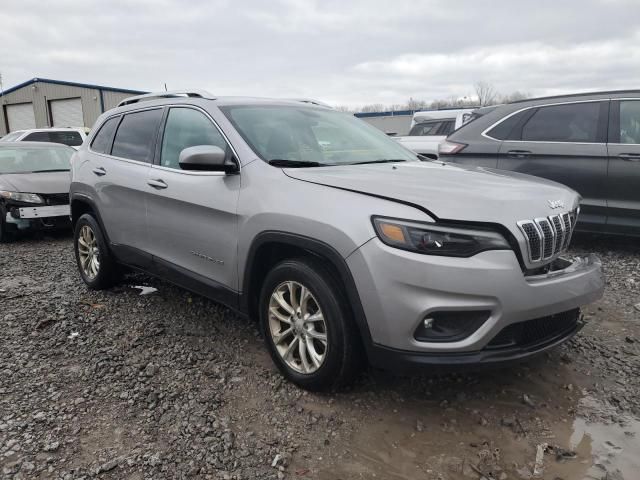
x=494, y=432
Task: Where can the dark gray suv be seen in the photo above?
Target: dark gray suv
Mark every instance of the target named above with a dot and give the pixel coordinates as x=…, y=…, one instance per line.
x=589, y=142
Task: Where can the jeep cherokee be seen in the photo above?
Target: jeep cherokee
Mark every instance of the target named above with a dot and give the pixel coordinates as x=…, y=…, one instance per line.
x=342, y=243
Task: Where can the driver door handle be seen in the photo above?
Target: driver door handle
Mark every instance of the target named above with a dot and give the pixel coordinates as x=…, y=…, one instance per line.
x=630, y=157
x=159, y=183
x=518, y=154
x=100, y=171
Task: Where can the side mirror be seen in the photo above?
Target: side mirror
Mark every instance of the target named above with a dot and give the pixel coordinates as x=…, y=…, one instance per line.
x=391, y=134
x=208, y=158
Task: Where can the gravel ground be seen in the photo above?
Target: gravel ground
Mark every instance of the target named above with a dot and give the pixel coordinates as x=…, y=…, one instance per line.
x=165, y=384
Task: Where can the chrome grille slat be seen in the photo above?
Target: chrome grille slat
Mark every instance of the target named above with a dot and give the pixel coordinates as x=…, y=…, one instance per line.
x=556, y=223
x=568, y=226
x=548, y=237
x=534, y=239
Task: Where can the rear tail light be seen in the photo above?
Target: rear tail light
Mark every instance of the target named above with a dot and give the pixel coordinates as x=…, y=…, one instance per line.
x=450, y=148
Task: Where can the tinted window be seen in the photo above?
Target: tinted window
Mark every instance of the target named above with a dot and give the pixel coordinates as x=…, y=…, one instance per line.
x=576, y=122
x=503, y=130
x=630, y=122
x=136, y=135
x=71, y=138
x=185, y=128
x=446, y=128
x=102, y=141
x=425, y=129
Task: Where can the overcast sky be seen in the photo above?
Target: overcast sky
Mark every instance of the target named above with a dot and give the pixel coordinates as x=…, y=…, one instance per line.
x=340, y=51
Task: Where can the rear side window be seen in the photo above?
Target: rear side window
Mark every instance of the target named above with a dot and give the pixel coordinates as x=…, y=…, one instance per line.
x=136, y=135
x=630, y=122
x=71, y=138
x=447, y=127
x=576, y=122
x=102, y=141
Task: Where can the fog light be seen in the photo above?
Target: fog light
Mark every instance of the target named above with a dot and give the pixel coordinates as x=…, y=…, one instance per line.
x=450, y=326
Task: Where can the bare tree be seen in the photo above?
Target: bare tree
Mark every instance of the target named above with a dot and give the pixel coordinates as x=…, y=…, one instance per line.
x=374, y=107
x=514, y=96
x=486, y=93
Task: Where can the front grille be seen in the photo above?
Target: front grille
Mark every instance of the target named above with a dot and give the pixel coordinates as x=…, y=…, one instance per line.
x=548, y=237
x=55, y=198
x=535, y=331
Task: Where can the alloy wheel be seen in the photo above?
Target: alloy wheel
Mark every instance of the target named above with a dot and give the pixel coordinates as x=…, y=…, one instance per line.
x=88, y=252
x=297, y=327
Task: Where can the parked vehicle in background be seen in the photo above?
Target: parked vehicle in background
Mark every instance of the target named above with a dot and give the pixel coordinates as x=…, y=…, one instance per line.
x=34, y=187
x=342, y=243
x=72, y=137
x=589, y=142
x=430, y=128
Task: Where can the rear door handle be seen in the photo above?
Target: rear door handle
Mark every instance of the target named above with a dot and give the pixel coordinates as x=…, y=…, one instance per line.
x=630, y=157
x=159, y=183
x=100, y=171
x=518, y=153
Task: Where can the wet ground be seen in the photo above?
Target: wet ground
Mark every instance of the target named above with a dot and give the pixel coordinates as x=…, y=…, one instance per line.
x=149, y=381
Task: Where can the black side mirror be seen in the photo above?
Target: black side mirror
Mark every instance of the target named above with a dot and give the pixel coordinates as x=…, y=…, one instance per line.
x=208, y=158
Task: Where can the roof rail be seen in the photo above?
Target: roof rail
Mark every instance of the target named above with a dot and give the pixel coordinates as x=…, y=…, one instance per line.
x=170, y=94
x=311, y=101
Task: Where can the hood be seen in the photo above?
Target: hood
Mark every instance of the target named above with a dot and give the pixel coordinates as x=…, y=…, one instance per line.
x=45, y=182
x=450, y=192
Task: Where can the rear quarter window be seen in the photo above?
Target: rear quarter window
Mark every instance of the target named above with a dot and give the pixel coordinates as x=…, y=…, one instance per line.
x=502, y=131
x=101, y=143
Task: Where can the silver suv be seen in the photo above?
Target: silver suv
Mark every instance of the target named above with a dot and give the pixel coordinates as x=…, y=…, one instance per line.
x=343, y=244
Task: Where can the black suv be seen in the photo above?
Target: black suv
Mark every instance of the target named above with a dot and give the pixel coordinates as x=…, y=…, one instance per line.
x=589, y=142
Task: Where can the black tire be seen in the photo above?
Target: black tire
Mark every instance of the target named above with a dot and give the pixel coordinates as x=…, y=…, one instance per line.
x=344, y=356
x=107, y=273
x=5, y=234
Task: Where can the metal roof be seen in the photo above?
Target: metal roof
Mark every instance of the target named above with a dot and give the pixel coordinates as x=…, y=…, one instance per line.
x=70, y=84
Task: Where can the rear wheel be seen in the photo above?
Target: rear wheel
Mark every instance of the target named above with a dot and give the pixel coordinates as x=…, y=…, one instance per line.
x=95, y=262
x=307, y=326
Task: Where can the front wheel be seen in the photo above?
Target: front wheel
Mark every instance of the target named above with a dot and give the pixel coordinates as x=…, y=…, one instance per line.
x=307, y=326
x=95, y=262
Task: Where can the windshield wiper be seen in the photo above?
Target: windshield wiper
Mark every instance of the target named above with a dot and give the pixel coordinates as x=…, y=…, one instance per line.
x=384, y=160
x=280, y=162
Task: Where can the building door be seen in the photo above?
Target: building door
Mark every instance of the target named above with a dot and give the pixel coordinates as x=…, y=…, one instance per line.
x=66, y=113
x=20, y=116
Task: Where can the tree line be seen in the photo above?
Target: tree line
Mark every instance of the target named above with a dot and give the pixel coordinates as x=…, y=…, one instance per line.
x=485, y=94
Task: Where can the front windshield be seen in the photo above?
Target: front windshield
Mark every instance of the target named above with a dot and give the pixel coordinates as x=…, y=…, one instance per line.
x=305, y=134
x=34, y=159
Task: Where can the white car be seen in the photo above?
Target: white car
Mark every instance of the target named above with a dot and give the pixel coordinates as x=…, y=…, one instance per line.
x=430, y=128
x=71, y=136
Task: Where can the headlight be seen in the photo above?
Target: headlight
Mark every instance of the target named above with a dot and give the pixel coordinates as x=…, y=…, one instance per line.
x=22, y=197
x=436, y=239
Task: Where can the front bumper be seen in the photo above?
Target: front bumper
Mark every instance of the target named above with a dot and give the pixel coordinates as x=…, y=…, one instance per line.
x=37, y=221
x=398, y=289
